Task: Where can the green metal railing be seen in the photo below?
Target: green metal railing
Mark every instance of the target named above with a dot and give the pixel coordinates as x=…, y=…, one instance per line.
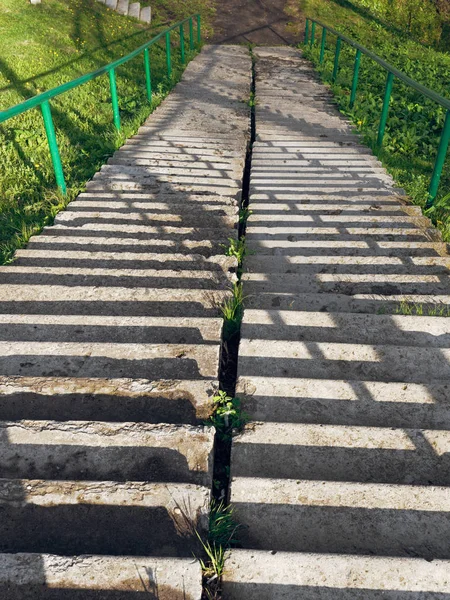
x=43, y=100
x=392, y=73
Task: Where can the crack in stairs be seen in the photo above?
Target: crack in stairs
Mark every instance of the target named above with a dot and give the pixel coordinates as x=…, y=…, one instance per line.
x=109, y=357
x=340, y=481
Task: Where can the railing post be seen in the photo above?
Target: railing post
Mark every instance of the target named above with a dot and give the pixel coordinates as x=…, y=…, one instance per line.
x=182, y=43
x=168, y=56
x=336, y=59
x=114, y=99
x=385, y=109
x=53, y=146
x=148, y=77
x=440, y=160
x=313, y=33
x=355, y=78
x=306, y=31
x=322, y=45
x=191, y=34
x=199, y=30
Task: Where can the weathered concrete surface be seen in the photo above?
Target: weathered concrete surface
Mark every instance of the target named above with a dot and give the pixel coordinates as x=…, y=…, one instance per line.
x=343, y=366
x=110, y=342
x=102, y=517
x=36, y=576
x=111, y=451
x=264, y=575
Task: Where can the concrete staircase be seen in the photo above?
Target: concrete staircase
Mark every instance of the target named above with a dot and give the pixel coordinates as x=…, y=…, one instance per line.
x=109, y=358
x=340, y=480
x=130, y=9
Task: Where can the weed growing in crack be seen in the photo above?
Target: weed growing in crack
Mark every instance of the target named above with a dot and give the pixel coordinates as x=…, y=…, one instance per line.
x=244, y=214
x=222, y=526
x=236, y=248
x=221, y=537
x=232, y=311
x=227, y=414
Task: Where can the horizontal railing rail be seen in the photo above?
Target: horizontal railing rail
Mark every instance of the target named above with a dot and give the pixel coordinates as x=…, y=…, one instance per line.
x=392, y=73
x=42, y=101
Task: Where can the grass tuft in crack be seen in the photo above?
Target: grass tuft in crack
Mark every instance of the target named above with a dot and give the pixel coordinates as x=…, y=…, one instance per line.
x=221, y=537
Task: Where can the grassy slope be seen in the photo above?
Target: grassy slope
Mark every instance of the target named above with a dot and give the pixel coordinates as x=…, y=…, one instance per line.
x=414, y=124
x=43, y=46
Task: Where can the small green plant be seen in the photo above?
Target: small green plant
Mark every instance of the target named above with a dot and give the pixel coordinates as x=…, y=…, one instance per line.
x=222, y=527
x=252, y=100
x=227, y=414
x=244, y=214
x=221, y=537
x=233, y=311
x=236, y=248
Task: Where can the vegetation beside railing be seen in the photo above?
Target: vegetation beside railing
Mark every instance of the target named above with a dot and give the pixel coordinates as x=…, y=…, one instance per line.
x=83, y=117
x=404, y=127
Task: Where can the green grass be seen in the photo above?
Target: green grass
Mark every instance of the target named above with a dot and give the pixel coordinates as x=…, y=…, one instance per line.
x=43, y=46
x=420, y=310
x=221, y=537
x=415, y=123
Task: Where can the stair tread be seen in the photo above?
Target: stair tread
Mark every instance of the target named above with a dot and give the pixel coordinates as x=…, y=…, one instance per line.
x=264, y=575
x=106, y=450
x=23, y=575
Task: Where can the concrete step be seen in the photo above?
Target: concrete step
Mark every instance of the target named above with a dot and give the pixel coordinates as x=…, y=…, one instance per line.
x=93, y=450
x=385, y=301
x=312, y=249
x=318, y=360
x=317, y=209
x=369, y=233
x=156, y=200
x=26, y=576
x=134, y=278
x=90, y=299
x=132, y=244
x=177, y=173
x=102, y=517
x=146, y=14
x=134, y=10
x=137, y=209
x=256, y=221
x=182, y=186
x=121, y=177
x=173, y=150
x=342, y=517
x=122, y=7
x=342, y=453
x=347, y=284
x=76, y=218
x=137, y=232
x=346, y=402
x=338, y=327
x=169, y=166
x=106, y=359
x=381, y=197
x=105, y=260
x=265, y=575
x=60, y=398
x=351, y=265
x=110, y=329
